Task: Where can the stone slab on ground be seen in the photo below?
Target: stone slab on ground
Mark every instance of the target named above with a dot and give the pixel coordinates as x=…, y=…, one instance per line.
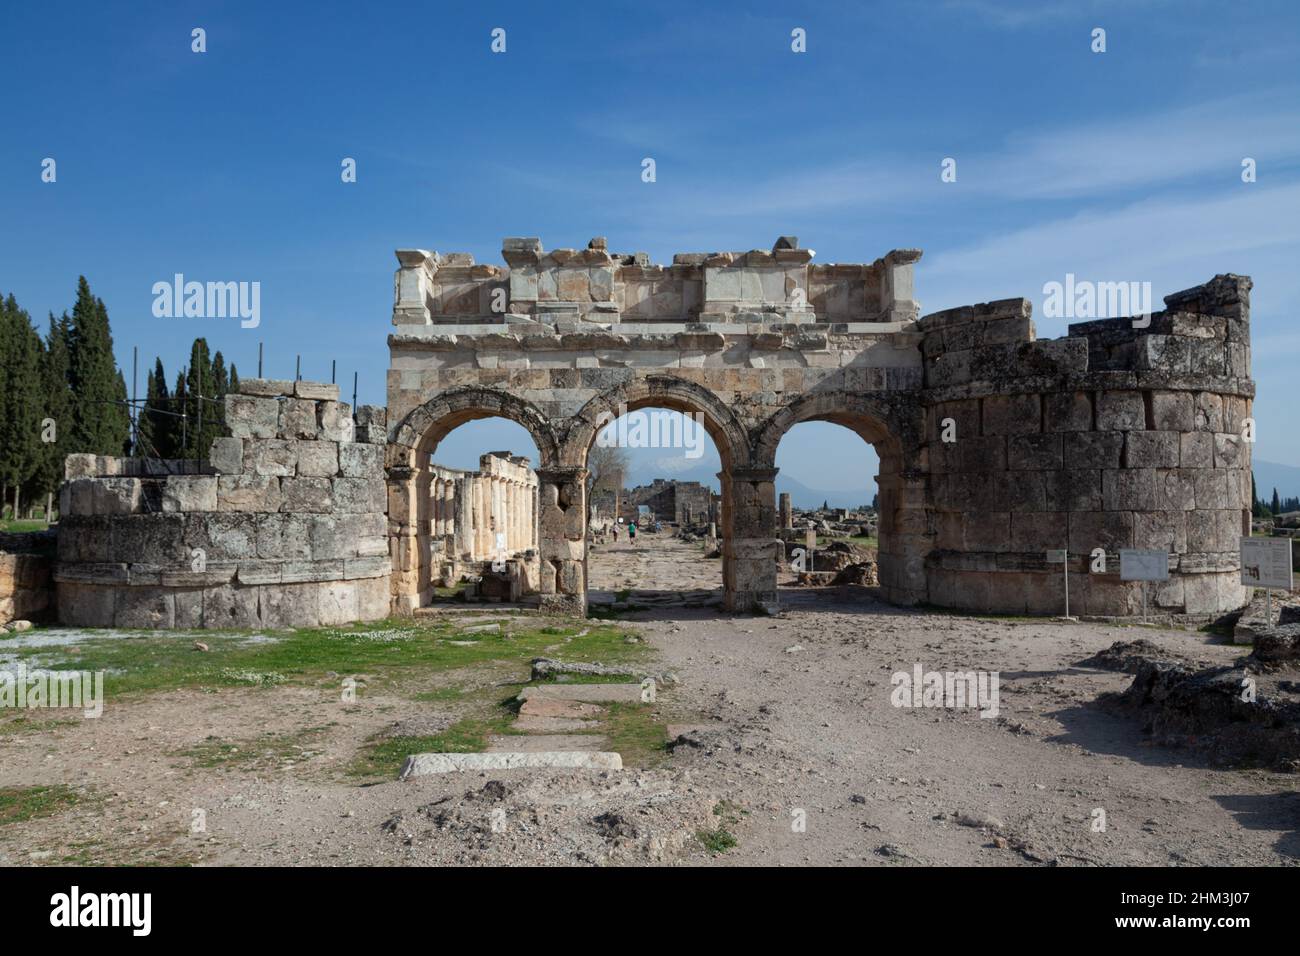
x=552, y=707
x=552, y=725
x=545, y=743
x=423, y=765
x=602, y=693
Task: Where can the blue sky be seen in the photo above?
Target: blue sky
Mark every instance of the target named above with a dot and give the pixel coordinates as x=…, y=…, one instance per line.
x=225, y=165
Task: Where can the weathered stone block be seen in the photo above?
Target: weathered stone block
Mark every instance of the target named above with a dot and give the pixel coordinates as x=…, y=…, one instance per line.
x=316, y=391
x=1121, y=411
x=116, y=496
x=227, y=455
x=1173, y=411
x=338, y=602
x=361, y=461
x=1011, y=414
x=1111, y=530
x=1128, y=489
x=298, y=419
x=145, y=608
x=220, y=536
x=230, y=606
x=335, y=421
x=1093, y=449
x=1074, y=489
x=290, y=605
x=249, y=416
x=1152, y=449
x=248, y=493
x=1196, y=450
x=1039, y=531
x=359, y=494
x=1067, y=412
x=319, y=459
x=189, y=493
x=266, y=387
x=306, y=495
x=1033, y=452
x=1230, y=451
x=270, y=457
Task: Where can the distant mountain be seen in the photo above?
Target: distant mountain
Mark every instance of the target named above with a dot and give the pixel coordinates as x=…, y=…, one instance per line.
x=1270, y=475
x=801, y=496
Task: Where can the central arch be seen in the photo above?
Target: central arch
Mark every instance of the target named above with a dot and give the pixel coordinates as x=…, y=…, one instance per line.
x=895, y=428
x=740, y=552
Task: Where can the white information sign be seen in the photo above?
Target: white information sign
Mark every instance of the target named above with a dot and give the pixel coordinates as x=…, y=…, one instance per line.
x=1266, y=563
x=1139, y=565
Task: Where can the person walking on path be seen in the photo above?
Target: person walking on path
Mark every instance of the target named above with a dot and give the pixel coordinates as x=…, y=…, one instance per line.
x=631, y=532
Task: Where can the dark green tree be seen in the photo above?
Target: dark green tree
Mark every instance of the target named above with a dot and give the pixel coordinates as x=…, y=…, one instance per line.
x=22, y=405
x=1277, y=504
x=57, y=422
x=100, y=425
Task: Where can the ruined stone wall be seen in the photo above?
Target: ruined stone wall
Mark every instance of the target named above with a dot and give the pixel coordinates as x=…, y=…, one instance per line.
x=676, y=501
x=283, y=527
x=1113, y=437
x=26, y=579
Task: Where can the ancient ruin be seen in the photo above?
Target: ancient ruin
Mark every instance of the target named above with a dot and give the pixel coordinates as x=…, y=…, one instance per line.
x=283, y=526
x=995, y=446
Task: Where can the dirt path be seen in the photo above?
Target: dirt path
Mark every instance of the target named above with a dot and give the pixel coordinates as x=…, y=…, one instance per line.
x=799, y=729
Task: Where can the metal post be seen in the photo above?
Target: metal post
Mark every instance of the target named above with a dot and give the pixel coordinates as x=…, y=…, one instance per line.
x=1268, y=607
x=354, y=393
x=259, y=359
x=135, y=414
x=1065, y=566
x=297, y=372
x=1144, y=602
x=333, y=368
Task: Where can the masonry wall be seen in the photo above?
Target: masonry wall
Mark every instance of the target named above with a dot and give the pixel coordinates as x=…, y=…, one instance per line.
x=1113, y=437
x=26, y=578
x=283, y=526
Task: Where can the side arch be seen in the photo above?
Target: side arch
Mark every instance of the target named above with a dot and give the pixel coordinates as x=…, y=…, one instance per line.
x=428, y=424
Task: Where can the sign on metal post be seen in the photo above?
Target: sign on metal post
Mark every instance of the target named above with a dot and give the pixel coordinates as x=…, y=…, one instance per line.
x=1266, y=563
x=1136, y=564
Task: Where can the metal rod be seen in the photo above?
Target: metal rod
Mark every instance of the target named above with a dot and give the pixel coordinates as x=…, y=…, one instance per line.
x=333, y=369
x=259, y=359
x=135, y=414
x=354, y=393
x=1066, y=566
x=297, y=372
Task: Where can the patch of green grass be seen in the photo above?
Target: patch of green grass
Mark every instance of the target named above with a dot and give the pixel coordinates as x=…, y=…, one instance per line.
x=266, y=752
x=589, y=679
x=393, y=652
x=442, y=695
x=716, y=841
x=24, y=724
x=635, y=734
x=23, y=524
x=19, y=804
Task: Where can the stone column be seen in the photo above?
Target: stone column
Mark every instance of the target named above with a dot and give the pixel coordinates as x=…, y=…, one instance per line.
x=449, y=511
x=404, y=539
x=749, y=550
x=562, y=520
x=787, y=512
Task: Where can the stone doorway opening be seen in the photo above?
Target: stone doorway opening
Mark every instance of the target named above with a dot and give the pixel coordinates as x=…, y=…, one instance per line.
x=654, y=510
x=464, y=512
x=874, y=552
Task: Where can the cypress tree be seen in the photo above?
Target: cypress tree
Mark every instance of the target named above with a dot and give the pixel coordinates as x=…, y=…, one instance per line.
x=1277, y=505
x=22, y=402
x=99, y=427
x=59, y=405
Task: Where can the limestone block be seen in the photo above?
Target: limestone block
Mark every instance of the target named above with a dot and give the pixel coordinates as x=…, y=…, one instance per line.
x=230, y=606
x=1111, y=530
x=1034, y=452
x=283, y=536
x=266, y=387
x=290, y=605
x=1073, y=489
x=1212, y=488
x=306, y=495
x=979, y=454
x=220, y=536
x=1173, y=411
x=80, y=466
x=372, y=415
x=1128, y=489
x=361, y=461
x=371, y=434
x=248, y=493
x=301, y=571
x=1067, y=412
x=338, y=602
x=1155, y=449
x=1160, y=529
x=1209, y=412
x=1092, y=449
x=1175, y=489
x=316, y=391
x=423, y=765
x=85, y=605
x=335, y=421
x=373, y=601
x=359, y=494
x=227, y=455
x=1230, y=451
x=1039, y=531
x=116, y=496
x=1011, y=414
x=319, y=459
x=77, y=497
x=187, y=604
x=249, y=416
x=145, y=608
x=372, y=567
x=1196, y=450
x=988, y=531
x=189, y=493
x=298, y=419
x=1121, y=411
x=160, y=537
